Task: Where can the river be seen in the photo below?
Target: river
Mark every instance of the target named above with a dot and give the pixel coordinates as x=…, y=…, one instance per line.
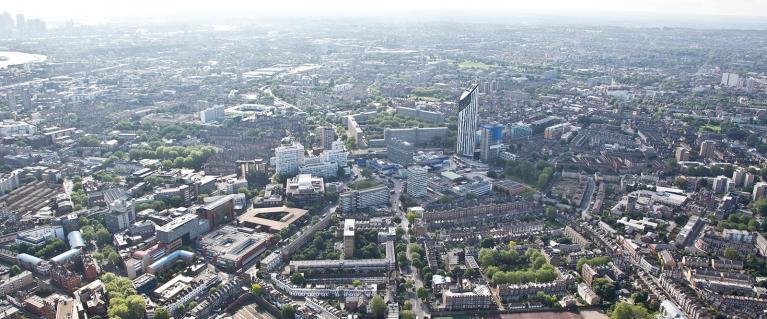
x=8, y=58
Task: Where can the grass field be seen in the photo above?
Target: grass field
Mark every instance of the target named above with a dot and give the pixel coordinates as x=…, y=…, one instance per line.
x=466, y=64
x=711, y=128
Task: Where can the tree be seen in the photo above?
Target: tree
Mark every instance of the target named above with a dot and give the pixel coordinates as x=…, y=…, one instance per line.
x=288, y=312
x=760, y=206
x=730, y=253
x=357, y=282
x=377, y=307
x=297, y=279
x=103, y=236
x=406, y=314
x=161, y=313
x=551, y=213
x=255, y=289
x=244, y=190
x=422, y=293
x=15, y=270
x=604, y=289
x=681, y=182
x=628, y=311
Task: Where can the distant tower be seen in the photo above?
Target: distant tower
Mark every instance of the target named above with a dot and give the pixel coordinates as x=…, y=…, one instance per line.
x=349, y=238
x=11, y=101
x=468, y=106
x=631, y=203
x=417, y=180
x=707, y=148
x=739, y=176
x=289, y=158
x=325, y=136
x=21, y=23
x=490, y=147
x=26, y=99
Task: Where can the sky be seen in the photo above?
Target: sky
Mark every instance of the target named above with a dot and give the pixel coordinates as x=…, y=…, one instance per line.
x=115, y=9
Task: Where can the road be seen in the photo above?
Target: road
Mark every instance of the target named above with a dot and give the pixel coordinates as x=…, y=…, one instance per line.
x=411, y=273
x=586, y=201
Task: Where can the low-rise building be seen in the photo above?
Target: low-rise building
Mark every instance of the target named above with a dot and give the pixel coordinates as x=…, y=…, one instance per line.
x=232, y=248
x=477, y=298
x=305, y=189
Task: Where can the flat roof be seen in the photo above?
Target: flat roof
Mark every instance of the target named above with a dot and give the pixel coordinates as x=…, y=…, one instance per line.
x=349, y=228
x=252, y=217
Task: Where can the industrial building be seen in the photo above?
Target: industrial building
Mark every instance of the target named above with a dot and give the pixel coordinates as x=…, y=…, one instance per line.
x=182, y=230
x=231, y=247
x=257, y=218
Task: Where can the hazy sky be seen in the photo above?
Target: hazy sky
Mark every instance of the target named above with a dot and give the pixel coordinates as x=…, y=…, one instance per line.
x=109, y=9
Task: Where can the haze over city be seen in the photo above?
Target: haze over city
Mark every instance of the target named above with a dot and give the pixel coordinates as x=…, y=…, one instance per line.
x=582, y=159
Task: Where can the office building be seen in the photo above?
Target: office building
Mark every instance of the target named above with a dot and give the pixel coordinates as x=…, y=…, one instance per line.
x=354, y=200
x=707, y=149
x=417, y=181
x=271, y=219
x=749, y=180
x=349, y=238
x=121, y=215
x=40, y=235
x=214, y=114
x=218, y=211
x=731, y=80
x=477, y=298
x=400, y=152
x=305, y=189
x=720, y=184
x=325, y=136
x=520, y=130
x=739, y=176
x=182, y=230
x=468, y=107
x=490, y=145
x=760, y=190
x=428, y=116
x=288, y=159
x=338, y=156
x=417, y=135
x=232, y=248
x=321, y=169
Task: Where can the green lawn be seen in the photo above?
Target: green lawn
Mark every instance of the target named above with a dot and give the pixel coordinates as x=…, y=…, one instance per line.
x=711, y=128
x=466, y=64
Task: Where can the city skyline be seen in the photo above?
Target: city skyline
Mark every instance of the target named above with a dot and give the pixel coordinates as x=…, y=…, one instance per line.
x=100, y=11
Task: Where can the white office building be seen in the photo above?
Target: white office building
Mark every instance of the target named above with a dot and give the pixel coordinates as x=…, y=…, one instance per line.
x=213, y=114
x=417, y=180
x=288, y=159
x=321, y=169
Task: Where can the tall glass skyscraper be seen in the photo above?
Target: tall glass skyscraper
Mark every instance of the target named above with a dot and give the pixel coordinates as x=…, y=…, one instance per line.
x=467, y=122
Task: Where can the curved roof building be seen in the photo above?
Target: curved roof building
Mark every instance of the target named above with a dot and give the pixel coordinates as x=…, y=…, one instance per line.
x=28, y=259
x=63, y=257
x=75, y=239
x=164, y=261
